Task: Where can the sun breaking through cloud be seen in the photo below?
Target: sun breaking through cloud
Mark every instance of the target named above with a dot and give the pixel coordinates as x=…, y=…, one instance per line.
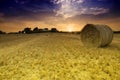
x=71, y=8
x=68, y=8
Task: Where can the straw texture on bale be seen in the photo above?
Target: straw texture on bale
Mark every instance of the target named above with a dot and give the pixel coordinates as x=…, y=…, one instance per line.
x=96, y=35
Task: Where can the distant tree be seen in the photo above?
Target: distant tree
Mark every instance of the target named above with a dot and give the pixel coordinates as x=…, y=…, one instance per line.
x=40, y=30
x=54, y=30
x=23, y=32
x=1, y=32
x=13, y=33
x=117, y=32
x=36, y=30
x=19, y=32
x=46, y=29
x=27, y=30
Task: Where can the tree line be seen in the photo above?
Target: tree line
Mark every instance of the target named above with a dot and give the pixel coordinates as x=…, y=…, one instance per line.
x=1, y=32
x=37, y=30
x=28, y=30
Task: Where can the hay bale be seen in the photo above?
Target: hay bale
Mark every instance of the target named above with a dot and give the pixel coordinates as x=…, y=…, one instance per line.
x=96, y=35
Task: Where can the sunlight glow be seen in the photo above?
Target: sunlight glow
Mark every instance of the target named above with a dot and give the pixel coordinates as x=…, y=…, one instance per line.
x=70, y=30
x=70, y=27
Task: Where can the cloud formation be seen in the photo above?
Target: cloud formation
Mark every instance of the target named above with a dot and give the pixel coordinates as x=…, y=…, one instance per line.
x=95, y=10
x=70, y=8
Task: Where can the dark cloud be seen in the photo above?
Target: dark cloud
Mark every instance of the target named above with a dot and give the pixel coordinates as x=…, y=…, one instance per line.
x=28, y=7
x=115, y=9
x=25, y=7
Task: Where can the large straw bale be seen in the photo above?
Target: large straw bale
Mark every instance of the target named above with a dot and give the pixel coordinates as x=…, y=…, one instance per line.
x=96, y=35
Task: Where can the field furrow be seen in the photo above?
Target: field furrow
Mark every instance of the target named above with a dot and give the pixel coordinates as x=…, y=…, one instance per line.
x=57, y=57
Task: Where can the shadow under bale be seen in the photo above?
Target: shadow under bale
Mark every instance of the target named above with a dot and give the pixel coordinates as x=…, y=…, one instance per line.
x=96, y=35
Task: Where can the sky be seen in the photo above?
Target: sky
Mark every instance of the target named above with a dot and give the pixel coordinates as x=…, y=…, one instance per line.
x=65, y=15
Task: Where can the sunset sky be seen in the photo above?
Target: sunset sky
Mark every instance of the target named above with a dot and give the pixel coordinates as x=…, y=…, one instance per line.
x=65, y=15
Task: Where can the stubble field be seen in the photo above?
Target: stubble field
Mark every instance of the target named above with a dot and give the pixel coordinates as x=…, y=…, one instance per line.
x=56, y=56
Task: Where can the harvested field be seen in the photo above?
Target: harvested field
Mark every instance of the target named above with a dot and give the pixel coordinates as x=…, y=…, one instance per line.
x=57, y=56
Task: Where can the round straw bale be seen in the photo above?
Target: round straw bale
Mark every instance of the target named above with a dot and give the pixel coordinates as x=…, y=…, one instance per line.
x=96, y=35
